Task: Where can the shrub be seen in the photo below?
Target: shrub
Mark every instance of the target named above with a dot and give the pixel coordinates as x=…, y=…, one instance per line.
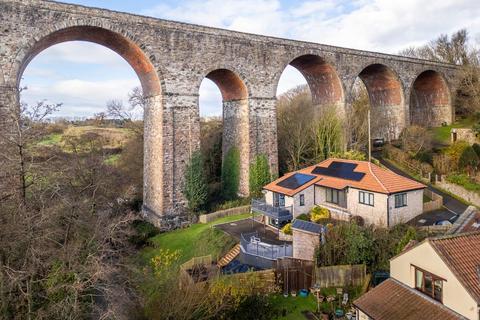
x=143, y=231
x=455, y=150
x=287, y=229
x=468, y=159
x=424, y=156
x=304, y=217
x=349, y=155
x=318, y=213
x=259, y=175
x=196, y=187
x=231, y=174
x=476, y=148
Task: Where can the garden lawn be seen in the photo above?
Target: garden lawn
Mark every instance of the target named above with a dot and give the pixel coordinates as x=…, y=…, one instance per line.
x=194, y=241
x=294, y=306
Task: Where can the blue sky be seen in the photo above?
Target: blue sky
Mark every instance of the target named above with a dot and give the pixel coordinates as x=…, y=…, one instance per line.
x=85, y=76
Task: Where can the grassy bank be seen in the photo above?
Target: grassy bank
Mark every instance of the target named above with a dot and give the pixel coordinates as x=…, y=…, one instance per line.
x=442, y=134
x=196, y=240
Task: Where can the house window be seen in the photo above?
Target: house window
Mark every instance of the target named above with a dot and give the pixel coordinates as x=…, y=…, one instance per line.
x=400, y=200
x=429, y=284
x=332, y=195
x=366, y=198
x=302, y=200
x=278, y=200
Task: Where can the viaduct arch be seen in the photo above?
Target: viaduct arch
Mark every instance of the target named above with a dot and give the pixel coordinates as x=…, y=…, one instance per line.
x=170, y=58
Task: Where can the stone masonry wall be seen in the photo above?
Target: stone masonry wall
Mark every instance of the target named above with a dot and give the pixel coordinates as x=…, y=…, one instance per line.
x=171, y=60
x=304, y=244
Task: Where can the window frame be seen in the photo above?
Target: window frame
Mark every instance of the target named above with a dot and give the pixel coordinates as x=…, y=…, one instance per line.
x=331, y=200
x=404, y=200
x=367, y=196
x=302, y=200
x=281, y=200
x=434, y=278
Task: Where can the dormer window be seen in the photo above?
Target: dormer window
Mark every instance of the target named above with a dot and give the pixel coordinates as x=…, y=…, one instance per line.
x=429, y=284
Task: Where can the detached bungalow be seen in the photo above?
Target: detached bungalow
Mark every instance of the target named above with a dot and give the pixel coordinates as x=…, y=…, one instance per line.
x=348, y=188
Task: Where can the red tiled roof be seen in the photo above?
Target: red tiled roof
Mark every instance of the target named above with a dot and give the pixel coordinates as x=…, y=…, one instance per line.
x=461, y=253
x=394, y=300
x=376, y=179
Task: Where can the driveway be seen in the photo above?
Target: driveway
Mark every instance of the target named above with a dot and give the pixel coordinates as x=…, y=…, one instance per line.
x=449, y=202
x=236, y=228
x=429, y=218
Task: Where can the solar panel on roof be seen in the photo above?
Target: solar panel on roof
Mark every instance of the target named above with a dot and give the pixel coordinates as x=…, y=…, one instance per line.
x=343, y=170
x=295, y=181
x=307, y=226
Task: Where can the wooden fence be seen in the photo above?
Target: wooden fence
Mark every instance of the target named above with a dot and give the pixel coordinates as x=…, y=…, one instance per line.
x=294, y=274
x=206, y=218
x=340, y=276
x=197, y=261
x=264, y=281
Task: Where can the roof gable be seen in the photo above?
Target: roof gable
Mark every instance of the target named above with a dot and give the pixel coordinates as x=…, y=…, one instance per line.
x=461, y=253
x=394, y=300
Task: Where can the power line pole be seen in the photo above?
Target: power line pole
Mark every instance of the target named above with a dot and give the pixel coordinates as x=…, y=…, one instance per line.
x=369, y=138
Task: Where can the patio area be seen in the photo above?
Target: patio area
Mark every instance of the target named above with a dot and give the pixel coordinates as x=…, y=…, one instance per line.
x=247, y=226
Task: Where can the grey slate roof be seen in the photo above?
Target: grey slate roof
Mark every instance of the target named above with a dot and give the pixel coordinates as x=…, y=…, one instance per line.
x=307, y=226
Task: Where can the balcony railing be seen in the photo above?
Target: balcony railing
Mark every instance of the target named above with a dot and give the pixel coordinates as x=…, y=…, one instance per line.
x=251, y=243
x=280, y=213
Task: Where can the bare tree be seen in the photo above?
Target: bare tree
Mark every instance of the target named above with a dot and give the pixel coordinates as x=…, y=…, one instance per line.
x=294, y=118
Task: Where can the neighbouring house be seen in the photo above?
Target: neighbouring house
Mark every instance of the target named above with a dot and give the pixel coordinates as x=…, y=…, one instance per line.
x=439, y=278
x=348, y=188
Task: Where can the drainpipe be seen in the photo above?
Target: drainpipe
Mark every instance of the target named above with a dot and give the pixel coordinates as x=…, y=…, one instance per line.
x=388, y=211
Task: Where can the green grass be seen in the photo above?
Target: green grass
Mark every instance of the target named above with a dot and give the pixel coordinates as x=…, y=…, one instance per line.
x=294, y=306
x=442, y=134
x=112, y=159
x=464, y=181
x=52, y=139
x=196, y=240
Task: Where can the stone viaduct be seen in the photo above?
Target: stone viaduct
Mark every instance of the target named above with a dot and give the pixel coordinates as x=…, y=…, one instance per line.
x=171, y=59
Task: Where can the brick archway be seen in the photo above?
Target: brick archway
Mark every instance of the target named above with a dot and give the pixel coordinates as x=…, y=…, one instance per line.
x=117, y=42
x=235, y=116
x=151, y=85
x=322, y=79
x=430, y=102
x=387, y=103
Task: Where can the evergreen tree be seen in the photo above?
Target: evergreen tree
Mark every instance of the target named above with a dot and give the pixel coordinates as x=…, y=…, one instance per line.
x=259, y=174
x=196, y=187
x=468, y=159
x=231, y=174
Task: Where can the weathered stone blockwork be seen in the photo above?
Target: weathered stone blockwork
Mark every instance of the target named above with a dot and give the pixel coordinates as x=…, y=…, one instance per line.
x=171, y=59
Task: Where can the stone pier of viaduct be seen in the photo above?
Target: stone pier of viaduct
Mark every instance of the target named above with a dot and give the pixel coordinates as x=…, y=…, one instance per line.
x=171, y=59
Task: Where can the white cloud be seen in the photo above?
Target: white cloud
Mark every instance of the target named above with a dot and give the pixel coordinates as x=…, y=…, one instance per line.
x=80, y=97
x=210, y=100
x=80, y=52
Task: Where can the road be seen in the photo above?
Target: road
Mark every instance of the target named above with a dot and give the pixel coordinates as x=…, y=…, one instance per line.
x=449, y=202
